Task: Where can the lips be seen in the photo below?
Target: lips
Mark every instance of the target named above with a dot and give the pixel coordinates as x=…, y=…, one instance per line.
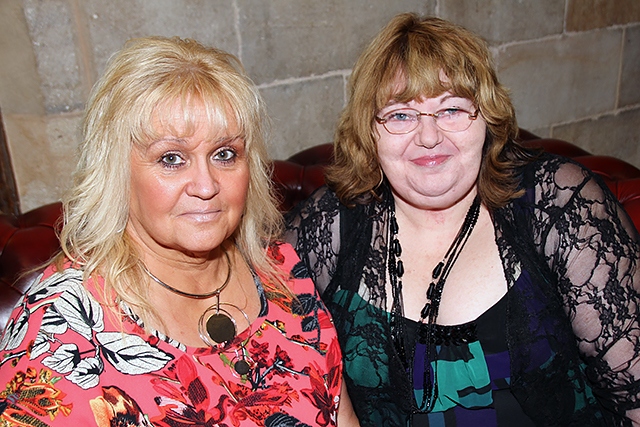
x=430, y=161
x=202, y=215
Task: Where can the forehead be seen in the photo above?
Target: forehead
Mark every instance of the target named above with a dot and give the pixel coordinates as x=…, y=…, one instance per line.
x=183, y=118
x=406, y=87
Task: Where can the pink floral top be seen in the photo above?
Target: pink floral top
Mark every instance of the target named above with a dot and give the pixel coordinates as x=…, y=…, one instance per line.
x=64, y=362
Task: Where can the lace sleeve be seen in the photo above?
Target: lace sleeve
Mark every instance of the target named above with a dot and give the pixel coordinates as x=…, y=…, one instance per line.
x=313, y=228
x=592, y=247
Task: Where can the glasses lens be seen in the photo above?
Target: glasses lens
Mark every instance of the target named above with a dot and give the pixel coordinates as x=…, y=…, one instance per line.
x=401, y=121
x=453, y=120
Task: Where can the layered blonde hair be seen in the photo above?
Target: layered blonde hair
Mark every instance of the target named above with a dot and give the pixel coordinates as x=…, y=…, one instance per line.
x=146, y=75
x=405, y=62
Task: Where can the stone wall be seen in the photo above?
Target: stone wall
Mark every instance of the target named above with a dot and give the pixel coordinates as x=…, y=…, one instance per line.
x=572, y=65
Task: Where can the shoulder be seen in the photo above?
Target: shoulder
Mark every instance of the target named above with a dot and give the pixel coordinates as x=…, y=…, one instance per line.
x=558, y=179
x=53, y=281
x=284, y=255
x=322, y=202
x=52, y=288
x=319, y=212
x=288, y=261
x=560, y=189
x=551, y=168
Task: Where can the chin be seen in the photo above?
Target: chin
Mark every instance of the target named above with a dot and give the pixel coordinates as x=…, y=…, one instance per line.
x=198, y=245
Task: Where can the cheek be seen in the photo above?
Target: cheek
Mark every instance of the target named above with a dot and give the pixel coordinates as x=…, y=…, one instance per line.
x=153, y=195
x=391, y=157
x=237, y=189
x=473, y=153
x=386, y=152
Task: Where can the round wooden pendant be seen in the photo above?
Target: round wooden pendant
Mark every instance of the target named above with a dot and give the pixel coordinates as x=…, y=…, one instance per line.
x=221, y=328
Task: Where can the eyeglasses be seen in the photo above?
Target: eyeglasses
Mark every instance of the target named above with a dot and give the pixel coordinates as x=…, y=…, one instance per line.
x=405, y=120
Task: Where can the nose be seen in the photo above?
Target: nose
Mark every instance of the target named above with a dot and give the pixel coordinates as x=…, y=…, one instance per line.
x=428, y=134
x=203, y=181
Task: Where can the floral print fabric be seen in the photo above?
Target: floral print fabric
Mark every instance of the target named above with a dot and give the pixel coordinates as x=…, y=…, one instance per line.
x=64, y=361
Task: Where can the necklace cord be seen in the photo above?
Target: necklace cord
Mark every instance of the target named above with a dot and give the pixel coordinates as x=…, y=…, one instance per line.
x=429, y=312
x=213, y=293
x=216, y=326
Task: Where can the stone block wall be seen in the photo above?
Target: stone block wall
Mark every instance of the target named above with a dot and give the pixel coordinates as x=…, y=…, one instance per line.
x=572, y=66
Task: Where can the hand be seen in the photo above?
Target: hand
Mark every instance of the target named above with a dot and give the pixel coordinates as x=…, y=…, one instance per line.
x=346, y=414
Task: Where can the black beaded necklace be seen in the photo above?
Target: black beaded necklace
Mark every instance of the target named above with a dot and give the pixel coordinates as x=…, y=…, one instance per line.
x=429, y=312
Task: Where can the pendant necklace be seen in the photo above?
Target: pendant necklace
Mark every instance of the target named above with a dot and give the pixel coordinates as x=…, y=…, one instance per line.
x=216, y=326
x=429, y=313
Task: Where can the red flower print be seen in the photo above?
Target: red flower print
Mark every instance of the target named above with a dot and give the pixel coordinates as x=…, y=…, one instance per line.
x=275, y=254
x=324, y=320
x=281, y=360
x=183, y=400
x=324, y=391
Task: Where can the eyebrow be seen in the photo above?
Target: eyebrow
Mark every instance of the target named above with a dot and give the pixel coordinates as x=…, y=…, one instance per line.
x=444, y=98
x=225, y=139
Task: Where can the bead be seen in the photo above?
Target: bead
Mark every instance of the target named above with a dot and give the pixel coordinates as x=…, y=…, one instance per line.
x=220, y=328
x=437, y=293
x=396, y=248
x=423, y=333
x=400, y=268
x=394, y=225
x=437, y=270
x=430, y=290
x=425, y=311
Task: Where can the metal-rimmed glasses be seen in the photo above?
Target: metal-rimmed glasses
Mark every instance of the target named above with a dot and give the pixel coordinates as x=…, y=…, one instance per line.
x=405, y=120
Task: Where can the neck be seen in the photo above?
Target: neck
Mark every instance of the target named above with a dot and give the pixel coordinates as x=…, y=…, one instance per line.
x=439, y=225
x=195, y=276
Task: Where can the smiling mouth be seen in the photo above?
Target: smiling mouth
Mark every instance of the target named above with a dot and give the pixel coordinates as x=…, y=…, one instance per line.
x=430, y=160
x=202, y=216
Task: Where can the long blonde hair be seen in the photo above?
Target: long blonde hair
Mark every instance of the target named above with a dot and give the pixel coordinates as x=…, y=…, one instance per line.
x=147, y=73
x=417, y=51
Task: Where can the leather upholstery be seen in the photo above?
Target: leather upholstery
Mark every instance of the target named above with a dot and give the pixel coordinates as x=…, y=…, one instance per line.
x=28, y=240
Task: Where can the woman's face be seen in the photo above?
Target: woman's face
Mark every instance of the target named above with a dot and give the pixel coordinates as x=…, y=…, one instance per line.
x=188, y=193
x=430, y=168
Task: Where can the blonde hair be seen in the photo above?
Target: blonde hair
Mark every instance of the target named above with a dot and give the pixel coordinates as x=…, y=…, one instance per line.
x=145, y=75
x=416, y=51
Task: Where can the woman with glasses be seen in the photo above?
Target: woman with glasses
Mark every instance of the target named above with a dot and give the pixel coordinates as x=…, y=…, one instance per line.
x=472, y=282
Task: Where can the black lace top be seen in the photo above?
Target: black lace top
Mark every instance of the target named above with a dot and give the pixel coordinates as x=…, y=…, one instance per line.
x=581, y=302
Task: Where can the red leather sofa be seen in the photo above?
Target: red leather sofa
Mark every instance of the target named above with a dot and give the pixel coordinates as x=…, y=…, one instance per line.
x=28, y=240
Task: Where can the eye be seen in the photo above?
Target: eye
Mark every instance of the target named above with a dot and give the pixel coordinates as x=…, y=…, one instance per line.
x=401, y=116
x=450, y=113
x=225, y=155
x=171, y=160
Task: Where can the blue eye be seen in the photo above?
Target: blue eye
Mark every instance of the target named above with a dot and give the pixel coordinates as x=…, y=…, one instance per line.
x=449, y=113
x=401, y=116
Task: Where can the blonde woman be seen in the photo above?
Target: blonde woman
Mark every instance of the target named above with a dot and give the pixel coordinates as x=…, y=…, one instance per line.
x=172, y=302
